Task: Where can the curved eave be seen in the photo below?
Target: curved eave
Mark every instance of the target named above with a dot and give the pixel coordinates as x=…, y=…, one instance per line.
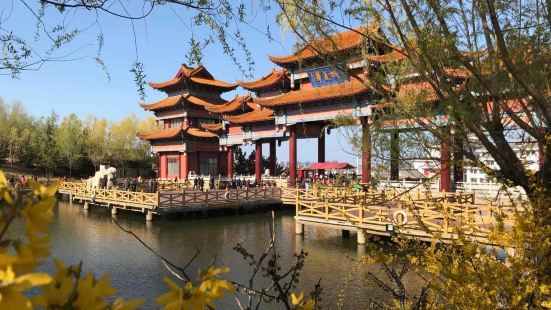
x=198, y=133
x=260, y=115
x=212, y=127
x=269, y=81
x=339, y=42
x=162, y=104
x=342, y=90
x=235, y=104
x=163, y=134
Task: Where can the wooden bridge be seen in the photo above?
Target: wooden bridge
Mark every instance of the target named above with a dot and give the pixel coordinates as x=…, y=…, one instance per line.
x=174, y=199
x=417, y=214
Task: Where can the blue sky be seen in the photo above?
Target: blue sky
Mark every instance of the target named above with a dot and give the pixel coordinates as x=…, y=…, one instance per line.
x=81, y=86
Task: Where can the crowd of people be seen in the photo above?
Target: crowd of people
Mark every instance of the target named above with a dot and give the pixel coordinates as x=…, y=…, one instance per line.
x=21, y=181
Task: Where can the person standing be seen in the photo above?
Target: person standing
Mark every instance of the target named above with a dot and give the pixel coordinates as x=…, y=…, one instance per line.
x=151, y=185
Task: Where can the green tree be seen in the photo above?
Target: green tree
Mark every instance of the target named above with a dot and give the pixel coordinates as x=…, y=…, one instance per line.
x=44, y=142
x=70, y=141
x=96, y=141
x=240, y=161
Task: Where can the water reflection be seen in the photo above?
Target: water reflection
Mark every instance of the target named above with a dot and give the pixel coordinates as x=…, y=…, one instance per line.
x=91, y=236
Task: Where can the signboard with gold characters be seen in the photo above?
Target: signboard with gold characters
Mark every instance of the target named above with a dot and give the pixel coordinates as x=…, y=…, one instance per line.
x=327, y=75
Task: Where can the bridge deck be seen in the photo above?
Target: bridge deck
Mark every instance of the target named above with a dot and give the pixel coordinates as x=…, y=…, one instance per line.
x=416, y=214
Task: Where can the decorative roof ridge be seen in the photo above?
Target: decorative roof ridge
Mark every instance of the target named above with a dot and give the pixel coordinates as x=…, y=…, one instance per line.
x=348, y=89
x=275, y=76
x=260, y=115
x=342, y=41
x=198, y=75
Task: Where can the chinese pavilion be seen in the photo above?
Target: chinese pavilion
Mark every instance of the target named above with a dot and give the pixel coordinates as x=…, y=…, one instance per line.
x=300, y=100
x=182, y=144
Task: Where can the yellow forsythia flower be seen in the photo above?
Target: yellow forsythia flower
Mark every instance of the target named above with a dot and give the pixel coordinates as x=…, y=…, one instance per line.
x=299, y=303
x=190, y=297
x=12, y=287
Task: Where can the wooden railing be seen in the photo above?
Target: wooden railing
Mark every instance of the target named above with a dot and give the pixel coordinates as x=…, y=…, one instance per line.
x=418, y=218
x=172, y=198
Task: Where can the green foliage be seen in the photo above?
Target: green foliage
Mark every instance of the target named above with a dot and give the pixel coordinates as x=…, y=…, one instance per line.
x=71, y=145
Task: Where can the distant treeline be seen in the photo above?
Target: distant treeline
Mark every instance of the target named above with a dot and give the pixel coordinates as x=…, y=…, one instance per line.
x=71, y=146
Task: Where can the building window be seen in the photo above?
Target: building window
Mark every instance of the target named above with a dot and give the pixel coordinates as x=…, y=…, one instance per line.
x=209, y=166
x=175, y=123
x=173, y=166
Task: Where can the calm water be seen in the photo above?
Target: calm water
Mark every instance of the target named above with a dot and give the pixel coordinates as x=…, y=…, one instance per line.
x=92, y=237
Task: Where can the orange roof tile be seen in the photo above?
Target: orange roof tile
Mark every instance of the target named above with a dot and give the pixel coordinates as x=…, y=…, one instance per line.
x=212, y=127
x=341, y=41
x=275, y=77
x=394, y=55
x=181, y=99
x=354, y=87
x=171, y=133
x=167, y=133
x=198, y=75
x=457, y=73
x=162, y=104
x=196, y=132
x=259, y=115
x=236, y=103
x=416, y=90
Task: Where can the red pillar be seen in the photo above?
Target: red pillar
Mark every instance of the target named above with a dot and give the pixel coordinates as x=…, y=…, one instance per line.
x=163, y=166
x=394, y=155
x=230, y=162
x=258, y=162
x=445, y=171
x=272, y=158
x=366, y=150
x=184, y=166
x=321, y=147
x=458, y=160
x=321, y=150
x=292, y=156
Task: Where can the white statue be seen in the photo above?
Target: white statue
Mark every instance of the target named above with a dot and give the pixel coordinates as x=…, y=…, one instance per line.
x=104, y=178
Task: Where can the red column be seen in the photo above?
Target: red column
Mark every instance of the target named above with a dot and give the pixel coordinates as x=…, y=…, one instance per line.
x=163, y=166
x=366, y=150
x=292, y=156
x=230, y=162
x=321, y=147
x=184, y=166
x=445, y=171
x=458, y=160
x=394, y=155
x=258, y=162
x=272, y=157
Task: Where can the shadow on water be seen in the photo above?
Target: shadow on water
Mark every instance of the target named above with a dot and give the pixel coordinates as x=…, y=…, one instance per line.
x=92, y=237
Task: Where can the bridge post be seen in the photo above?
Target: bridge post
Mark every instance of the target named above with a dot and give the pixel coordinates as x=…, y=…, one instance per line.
x=71, y=199
x=258, y=161
x=113, y=210
x=361, y=236
x=86, y=205
x=149, y=216
x=299, y=228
